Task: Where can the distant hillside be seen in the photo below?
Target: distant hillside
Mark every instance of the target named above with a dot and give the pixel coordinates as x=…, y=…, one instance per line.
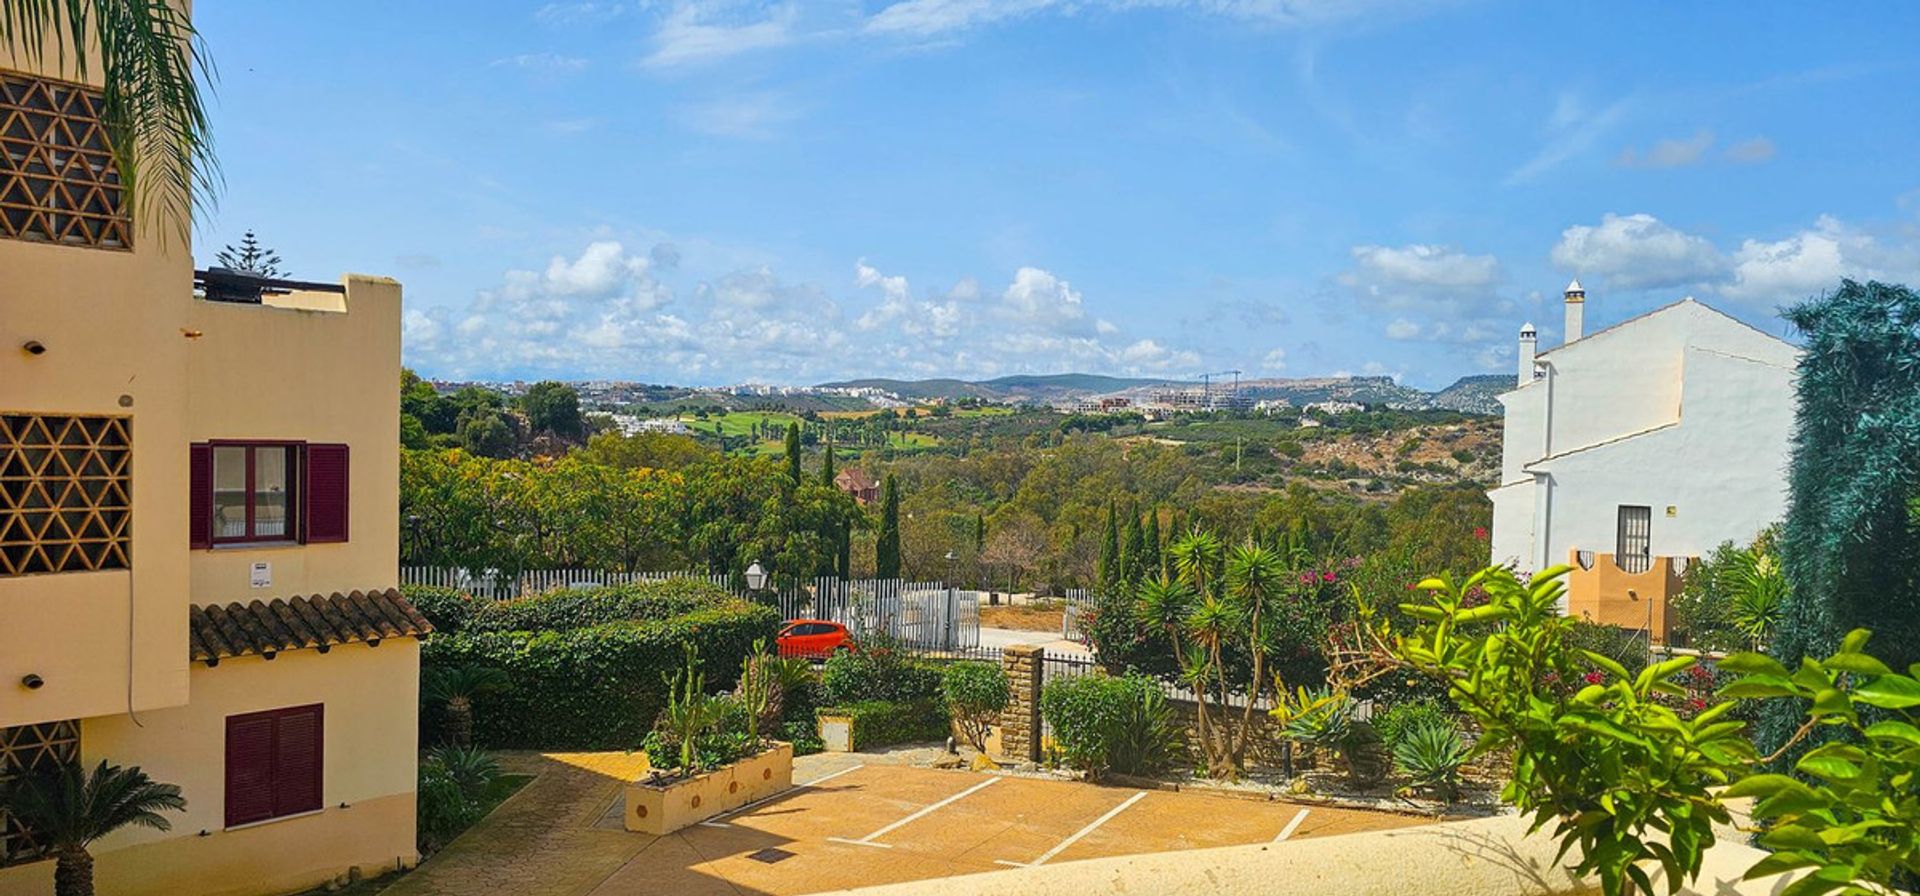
x=1479, y=394
x=1007, y=388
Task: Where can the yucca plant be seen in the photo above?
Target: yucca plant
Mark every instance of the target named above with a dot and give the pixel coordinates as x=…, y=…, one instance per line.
x=70, y=808
x=1430, y=754
x=151, y=63
x=454, y=690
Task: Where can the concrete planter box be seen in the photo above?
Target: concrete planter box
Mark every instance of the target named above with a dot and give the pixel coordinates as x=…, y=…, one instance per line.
x=664, y=808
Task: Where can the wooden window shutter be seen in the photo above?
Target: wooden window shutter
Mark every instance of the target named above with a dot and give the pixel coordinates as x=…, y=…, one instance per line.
x=327, y=485
x=296, y=761
x=200, y=496
x=250, y=764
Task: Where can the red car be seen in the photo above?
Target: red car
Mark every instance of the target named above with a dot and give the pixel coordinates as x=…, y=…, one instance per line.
x=813, y=639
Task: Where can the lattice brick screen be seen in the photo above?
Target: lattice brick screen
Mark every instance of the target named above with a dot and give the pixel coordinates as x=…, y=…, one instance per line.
x=58, y=182
x=31, y=748
x=65, y=494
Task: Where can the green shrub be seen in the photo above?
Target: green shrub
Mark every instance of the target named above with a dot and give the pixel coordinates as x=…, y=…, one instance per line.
x=1627, y=648
x=880, y=673
x=454, y=782
x=1429, y=753
x=975, y=692
x=1400, y=718
x=883, y=723
x=449, y=610
x=570, y=608
x=1098, y=719
x=598, y=687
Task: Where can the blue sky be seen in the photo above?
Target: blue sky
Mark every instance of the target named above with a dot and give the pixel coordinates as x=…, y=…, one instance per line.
x=713, y=192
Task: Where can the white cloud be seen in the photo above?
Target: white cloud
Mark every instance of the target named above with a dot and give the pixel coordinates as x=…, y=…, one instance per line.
x=922, y=18
x=1637, y=251
x=751, y=116
x=603, y=312
x=1572, y=128
x=1402, y=329
x=1275, y=361
x=1748, y=152
x=1673, y=152
x=544, y=63
x=1433, y=279
x=563, y=14
x=1813, y=260
x=927, y=18
x=689, y=36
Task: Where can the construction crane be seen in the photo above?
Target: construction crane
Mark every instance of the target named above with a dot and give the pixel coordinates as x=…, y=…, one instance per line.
x=1206, y=386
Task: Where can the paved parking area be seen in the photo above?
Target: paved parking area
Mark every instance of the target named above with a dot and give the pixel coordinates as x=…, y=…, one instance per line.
x=853, y=823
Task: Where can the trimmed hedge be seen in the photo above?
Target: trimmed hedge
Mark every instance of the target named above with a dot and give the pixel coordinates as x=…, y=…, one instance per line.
x=599, y=686
x=883, y=723
x=449, y=610
x=879, y=674
x=570, y=608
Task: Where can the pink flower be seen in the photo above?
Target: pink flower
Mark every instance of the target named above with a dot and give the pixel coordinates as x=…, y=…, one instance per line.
x=1593, y=678
x=1307, y=578
x=1328, y=576
x=1480, y=532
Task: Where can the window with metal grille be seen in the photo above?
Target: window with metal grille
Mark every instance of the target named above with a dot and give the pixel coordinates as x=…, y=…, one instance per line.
x=273, y=764
x=65, y=494
x=25, y=750
x=1634, y=551
x=58, y=180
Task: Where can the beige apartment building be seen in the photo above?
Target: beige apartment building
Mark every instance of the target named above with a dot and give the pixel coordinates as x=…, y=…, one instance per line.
x=198, y=533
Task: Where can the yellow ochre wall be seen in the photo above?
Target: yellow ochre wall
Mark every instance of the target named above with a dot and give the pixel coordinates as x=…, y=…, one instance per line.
x=370, y=695
x=267, y=372
x=1609, y=595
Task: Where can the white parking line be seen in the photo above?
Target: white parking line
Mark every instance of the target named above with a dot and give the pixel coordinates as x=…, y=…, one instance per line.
x=1291, y=825
x=868, y=839
x=715, y=821
x=1062, y=846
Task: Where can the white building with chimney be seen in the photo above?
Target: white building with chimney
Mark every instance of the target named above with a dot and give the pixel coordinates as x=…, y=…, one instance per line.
x=1632, y=449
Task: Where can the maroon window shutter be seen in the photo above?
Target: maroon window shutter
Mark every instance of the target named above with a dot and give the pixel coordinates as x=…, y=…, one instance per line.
x=326, y=493
x=296, y=761
x=200, y=495
x=250, y=768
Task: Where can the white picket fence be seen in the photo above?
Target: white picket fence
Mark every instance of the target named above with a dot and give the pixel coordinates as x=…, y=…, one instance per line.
x=1073, y=619
x=496, y=585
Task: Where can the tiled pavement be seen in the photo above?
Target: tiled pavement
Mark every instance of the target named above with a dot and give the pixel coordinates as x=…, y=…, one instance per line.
x=864, y=823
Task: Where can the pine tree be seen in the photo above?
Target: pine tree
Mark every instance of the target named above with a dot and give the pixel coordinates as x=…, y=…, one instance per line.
x=1107, y=571
x=250, y=258
x=793, y=453
x=886, y=549
x=826, y=467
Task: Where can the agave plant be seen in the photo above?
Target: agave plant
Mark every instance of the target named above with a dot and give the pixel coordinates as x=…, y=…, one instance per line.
x=454, y=689
x=70, y=808
x=1430, y=754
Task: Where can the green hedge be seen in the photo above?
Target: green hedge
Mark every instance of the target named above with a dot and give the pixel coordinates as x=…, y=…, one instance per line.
x=878, y=674
x=569, y=608
x=449, y=610
x=601, y=686
x=1101, y=722
x=883, y=723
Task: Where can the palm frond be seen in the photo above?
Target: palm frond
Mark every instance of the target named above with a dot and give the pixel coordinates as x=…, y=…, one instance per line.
x=152, y=64
x=71, y=807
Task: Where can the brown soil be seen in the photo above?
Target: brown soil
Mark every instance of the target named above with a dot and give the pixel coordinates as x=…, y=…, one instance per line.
x=1026, y=619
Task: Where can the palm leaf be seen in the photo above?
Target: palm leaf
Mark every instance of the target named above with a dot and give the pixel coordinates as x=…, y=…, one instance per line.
x=151, y=62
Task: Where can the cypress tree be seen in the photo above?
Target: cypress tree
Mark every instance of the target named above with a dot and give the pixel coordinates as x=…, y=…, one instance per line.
x=979, y=532
x=1153, y=565
x=793, y=453
x=1135, y=549
x=1107, y=572
x=1852, y=538
x=886, y=549
x=826, y=467
x=845, y=570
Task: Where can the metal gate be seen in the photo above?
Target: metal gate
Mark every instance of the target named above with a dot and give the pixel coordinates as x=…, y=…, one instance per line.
x=1634, y=551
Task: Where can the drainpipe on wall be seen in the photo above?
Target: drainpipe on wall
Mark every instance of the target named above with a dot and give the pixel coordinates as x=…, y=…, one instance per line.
x=1543, y=525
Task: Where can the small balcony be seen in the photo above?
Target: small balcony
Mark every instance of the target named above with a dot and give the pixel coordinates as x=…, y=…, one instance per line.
x=1600, y=589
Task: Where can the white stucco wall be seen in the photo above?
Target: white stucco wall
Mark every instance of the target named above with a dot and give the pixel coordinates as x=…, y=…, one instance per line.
x=1684, y=409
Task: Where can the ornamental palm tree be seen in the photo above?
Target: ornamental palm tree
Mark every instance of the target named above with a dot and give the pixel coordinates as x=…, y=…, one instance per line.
x=70, y=808
x=151, y=63
x=454, y=689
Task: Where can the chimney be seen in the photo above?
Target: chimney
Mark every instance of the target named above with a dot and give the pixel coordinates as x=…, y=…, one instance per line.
x=1576, y=310
x=1528, y=342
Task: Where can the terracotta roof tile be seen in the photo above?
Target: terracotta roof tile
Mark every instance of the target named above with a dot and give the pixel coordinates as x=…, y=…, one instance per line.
x=216, y=631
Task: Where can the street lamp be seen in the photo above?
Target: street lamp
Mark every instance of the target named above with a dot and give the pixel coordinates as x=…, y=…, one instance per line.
x=756, y=576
